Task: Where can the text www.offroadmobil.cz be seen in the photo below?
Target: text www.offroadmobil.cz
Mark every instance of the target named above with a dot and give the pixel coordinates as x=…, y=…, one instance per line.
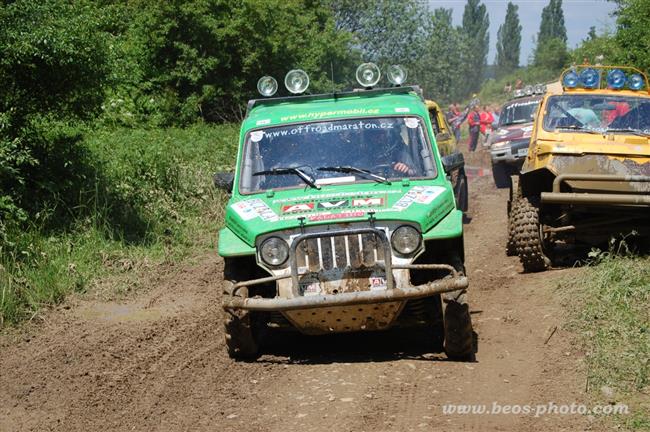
x=538, y=410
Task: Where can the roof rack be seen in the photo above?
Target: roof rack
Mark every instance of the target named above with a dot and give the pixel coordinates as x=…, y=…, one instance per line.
x=336, y=95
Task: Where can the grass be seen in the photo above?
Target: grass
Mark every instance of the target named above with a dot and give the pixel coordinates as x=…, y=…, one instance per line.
x=610, y=310
x=150, y=199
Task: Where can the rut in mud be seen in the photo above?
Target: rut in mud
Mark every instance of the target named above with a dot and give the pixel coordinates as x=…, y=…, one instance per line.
x=158, y=362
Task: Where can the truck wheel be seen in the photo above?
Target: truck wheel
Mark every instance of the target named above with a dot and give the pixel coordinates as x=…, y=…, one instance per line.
x=501, y=175
x=461, y=192
x=527, y=235
x=459, y=335
x=511, y=249
x=241, y=336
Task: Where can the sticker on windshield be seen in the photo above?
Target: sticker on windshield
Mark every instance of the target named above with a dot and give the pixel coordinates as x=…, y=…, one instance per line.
x=418, y=195
x=251, y=209
x=411, y=122
x=256, y=136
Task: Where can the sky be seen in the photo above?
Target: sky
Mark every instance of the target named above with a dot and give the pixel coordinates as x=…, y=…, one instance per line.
x=579, y=15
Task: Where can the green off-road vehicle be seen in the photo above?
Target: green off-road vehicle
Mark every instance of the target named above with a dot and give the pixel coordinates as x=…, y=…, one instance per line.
x=342, y=219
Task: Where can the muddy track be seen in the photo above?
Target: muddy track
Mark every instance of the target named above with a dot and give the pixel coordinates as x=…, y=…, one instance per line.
x=157, y=361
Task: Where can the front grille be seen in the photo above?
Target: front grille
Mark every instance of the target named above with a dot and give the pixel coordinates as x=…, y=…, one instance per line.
x=340, y=252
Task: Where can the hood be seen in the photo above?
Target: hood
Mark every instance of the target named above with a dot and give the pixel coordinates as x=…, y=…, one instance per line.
x=512, y=132
x=422, y=202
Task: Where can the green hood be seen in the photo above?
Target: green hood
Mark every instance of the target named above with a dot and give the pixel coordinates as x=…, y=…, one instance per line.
x=422, y=202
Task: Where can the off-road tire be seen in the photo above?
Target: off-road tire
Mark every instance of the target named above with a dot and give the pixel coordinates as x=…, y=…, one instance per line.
x=511, y=249
x=524, y=217
x=501, y=175
x=459, y=335
x=241, y=335
x=461, y=191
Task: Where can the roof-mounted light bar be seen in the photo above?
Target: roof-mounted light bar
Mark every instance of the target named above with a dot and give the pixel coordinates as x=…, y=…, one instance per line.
x=591, y=77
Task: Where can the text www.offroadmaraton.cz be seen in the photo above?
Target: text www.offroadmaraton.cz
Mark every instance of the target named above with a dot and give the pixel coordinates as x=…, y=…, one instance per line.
x=538, y=410
x=331, y=127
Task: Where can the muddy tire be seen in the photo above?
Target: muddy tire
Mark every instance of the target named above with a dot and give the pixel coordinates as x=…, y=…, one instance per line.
x=241, y=336
x=458, y=332
x=524, y=217
x=461, y=192
x=511, y=249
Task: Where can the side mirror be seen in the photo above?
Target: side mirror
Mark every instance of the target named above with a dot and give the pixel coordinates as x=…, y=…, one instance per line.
x=453, y=161
x=224, y=181
x=443, y=136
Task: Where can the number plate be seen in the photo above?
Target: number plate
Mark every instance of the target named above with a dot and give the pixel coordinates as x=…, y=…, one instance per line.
x=522, y=152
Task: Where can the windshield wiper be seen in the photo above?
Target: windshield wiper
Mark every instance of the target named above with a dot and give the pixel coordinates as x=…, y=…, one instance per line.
x=351, y=169
x=289, y=170
x=629, y=130
x=580, y=128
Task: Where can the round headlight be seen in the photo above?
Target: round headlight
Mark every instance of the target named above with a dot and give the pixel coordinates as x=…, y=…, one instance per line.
x=616, y=79
x=267, y=86
x=570, y=80
x=406, y=240
x=396, y=74
x=636, y=82
x=589, y=78
x=540, y=88
x=529, y=90
x=368, y=74
x=274, y=251
x=296, y=81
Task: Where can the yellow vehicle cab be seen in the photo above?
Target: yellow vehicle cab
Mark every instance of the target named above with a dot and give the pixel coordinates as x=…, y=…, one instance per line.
x=447, y=144
x=587, y=174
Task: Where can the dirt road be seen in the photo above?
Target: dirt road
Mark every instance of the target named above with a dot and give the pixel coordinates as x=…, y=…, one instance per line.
x=156, y=362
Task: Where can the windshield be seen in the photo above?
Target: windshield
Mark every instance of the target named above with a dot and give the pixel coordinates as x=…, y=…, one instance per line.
x=389, y=148
x=518, y=112
x=598, y=113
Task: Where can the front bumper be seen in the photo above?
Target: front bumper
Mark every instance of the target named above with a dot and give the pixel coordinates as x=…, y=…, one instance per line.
x=397, y=290
x=586, y=198
x=514, y=153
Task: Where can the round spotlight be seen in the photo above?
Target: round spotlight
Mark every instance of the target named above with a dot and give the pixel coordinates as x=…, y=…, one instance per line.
x=296, y=81
x=589, y=78
x=267, y=86
x=616, y=79
x=570, y=79
x=396, y=75
x=636, y=82
x=368, y=75
x=528, y=90
x=540, y=88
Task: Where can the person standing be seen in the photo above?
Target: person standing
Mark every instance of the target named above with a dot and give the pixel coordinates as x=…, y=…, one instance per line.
x=474, y=121
x=486, y=119
x=454, y=118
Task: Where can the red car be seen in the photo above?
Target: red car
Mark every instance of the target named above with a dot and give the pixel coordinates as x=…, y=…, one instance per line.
x=509, y=143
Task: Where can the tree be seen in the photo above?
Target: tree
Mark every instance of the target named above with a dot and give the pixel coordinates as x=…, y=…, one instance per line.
x=440, y=66
x=551, y=36
x=633, y=35
x=509, y=41
x=387, y=31
x=475, y=27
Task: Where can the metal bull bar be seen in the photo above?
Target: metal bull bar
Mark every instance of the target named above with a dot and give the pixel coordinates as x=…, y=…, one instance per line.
x=456, y=282
x=557, y=197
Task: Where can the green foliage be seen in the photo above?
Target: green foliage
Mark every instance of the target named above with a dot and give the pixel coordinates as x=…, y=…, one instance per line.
x=552, y=55
x=388, y=32
x=492, y=90
x=552, y=34
x=597, y=49
x=153, y=201
x=552, y=23
x=610, y=303
x=476, y=23
x=509, y=41
x=202, y=58
x=633, y=33
x=53, y=67
x=440, y=64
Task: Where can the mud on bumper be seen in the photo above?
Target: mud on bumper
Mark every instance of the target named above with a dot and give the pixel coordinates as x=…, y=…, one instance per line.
x=587, y=198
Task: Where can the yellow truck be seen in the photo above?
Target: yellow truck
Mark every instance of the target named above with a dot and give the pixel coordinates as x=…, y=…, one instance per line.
x=586, y=178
